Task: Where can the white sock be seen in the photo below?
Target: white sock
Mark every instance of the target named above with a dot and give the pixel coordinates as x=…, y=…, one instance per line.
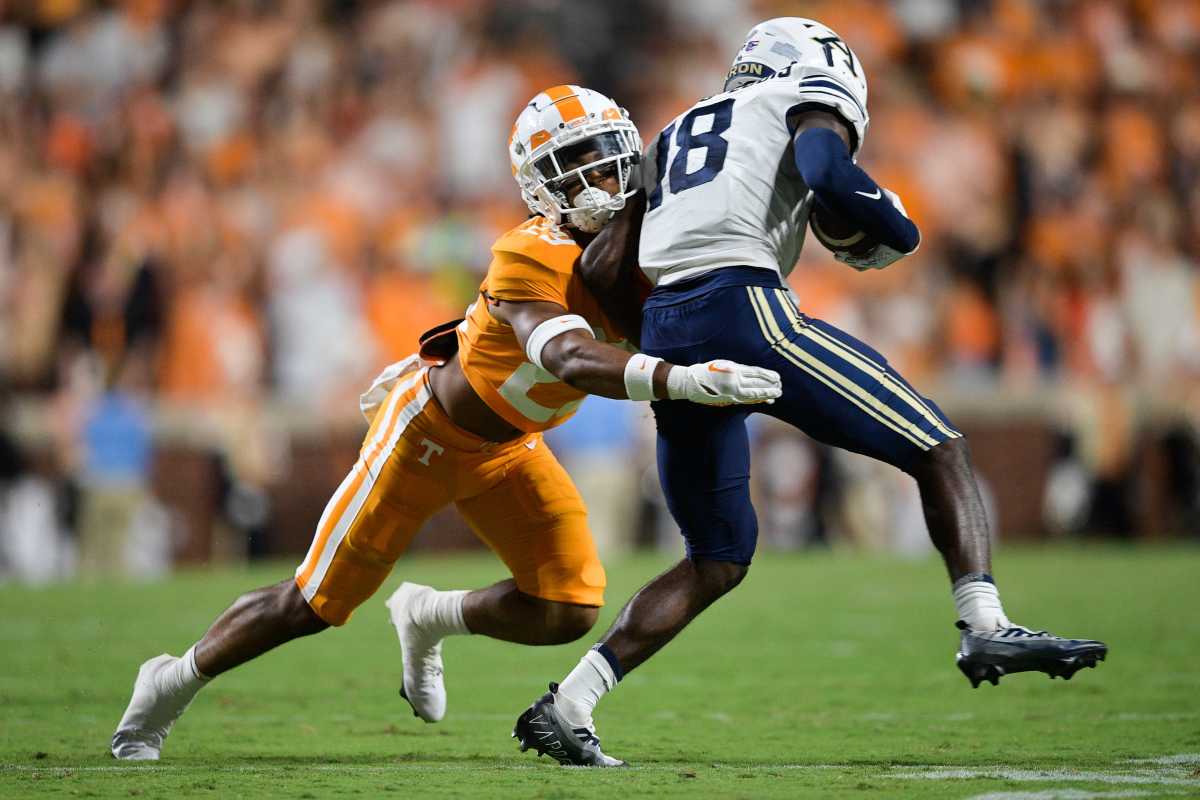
x=183, y=678
x=441, y=613
x=579, y=692
x=977, y=602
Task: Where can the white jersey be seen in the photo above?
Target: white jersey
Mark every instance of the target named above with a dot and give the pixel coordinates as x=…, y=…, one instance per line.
x=721, y=180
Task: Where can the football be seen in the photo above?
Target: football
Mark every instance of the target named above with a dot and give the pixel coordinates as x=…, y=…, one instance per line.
x=836, y=234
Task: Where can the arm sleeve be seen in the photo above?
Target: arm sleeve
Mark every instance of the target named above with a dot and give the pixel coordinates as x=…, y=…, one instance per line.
x=846, y=190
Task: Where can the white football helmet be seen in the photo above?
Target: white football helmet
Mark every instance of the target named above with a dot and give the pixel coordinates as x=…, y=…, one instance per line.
x=776, y=44
x=565, y=134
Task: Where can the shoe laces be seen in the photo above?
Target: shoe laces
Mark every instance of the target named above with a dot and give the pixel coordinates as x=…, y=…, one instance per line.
x=587, y=735
x=1020, y=632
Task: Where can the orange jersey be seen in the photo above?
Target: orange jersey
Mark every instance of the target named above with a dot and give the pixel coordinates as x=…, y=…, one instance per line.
x=534, y=262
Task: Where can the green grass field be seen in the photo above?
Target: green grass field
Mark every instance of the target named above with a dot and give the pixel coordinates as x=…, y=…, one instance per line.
x=822, y=676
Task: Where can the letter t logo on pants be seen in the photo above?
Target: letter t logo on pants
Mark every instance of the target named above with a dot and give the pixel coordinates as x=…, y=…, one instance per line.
x=430, y=449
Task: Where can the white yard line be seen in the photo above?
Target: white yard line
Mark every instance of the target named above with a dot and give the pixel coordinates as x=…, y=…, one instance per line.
x=1159, y=716
x=1162, y=771
x=1157, y=777
x=1182, y=758
x=1066, y=794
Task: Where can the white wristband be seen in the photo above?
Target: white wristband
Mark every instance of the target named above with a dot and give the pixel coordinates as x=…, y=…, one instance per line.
x=550, y=328
x=639, y=376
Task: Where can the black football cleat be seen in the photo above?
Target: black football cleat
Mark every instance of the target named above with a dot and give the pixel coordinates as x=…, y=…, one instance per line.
x=986, y=656
x=543, y=728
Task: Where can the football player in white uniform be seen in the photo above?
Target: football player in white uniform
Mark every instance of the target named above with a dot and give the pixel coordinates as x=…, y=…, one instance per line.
x=730, y=186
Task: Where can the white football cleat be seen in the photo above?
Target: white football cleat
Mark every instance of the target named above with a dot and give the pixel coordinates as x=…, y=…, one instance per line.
x=151, y=712
x=421, y=652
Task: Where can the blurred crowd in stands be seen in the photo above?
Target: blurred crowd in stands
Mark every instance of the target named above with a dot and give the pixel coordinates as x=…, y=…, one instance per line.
x=231, y=208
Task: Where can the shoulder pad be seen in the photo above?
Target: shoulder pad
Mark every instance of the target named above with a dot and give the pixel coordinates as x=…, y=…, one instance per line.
x=823, y=87
x=538, y=239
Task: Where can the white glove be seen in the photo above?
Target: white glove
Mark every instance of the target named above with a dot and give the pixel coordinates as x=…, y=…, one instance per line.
x=877, y=257
x=723, y=383
x=880, y=255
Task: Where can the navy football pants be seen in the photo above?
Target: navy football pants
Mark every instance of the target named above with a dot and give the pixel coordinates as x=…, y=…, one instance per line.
x=835, y=388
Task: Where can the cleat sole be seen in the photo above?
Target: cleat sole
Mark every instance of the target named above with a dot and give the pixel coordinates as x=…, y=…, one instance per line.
x=1068, y=667
x=977, y=672
x=978, y=668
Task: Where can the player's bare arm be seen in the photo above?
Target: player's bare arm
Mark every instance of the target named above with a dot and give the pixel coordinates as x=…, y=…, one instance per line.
x=609, y=269
x=576, y=357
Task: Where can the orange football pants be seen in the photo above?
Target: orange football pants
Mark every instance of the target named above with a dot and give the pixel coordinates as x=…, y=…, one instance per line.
x=414, y=461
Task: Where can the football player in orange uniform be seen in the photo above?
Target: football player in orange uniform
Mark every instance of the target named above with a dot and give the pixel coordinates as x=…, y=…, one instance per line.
x=464, y=426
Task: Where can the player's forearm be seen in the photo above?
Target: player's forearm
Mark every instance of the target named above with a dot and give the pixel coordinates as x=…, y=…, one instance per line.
x=596, y=368
x=845, y=189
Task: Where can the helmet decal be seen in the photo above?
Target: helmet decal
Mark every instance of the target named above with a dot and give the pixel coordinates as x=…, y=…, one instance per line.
x=786, y=50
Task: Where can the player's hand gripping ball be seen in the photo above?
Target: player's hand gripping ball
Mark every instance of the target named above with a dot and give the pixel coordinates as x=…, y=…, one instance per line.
x=848, y=243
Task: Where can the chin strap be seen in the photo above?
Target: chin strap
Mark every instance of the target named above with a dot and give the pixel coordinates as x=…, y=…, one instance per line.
x=600, y=209
x=589, y=221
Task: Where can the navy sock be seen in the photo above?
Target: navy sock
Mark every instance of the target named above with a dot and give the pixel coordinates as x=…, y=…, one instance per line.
x=611, y=658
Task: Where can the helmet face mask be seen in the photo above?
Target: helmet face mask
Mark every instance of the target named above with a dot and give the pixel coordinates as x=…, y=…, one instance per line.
x=570, y=178
x=566, y=143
